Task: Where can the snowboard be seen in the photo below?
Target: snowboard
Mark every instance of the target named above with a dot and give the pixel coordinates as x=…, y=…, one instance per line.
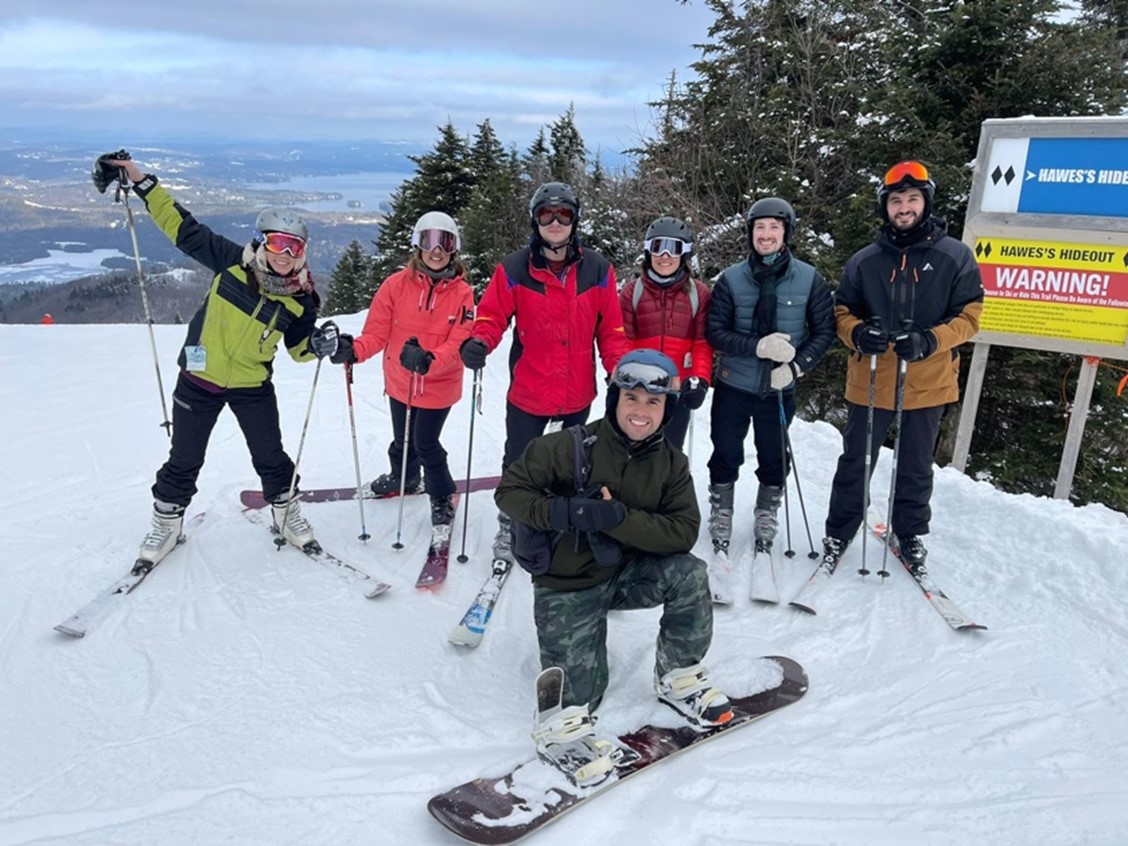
x=504, y=809
x=254, y=499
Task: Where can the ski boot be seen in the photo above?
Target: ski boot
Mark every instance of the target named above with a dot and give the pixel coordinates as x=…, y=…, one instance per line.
x=168, y=521
x=503, y=540
x=565, y=737
x=291, y=525
x=442, y=510
x=766, y=526
x=687, y=690
x=720, y=515
x=910, y=549
x=388, y=484
x=833, y=550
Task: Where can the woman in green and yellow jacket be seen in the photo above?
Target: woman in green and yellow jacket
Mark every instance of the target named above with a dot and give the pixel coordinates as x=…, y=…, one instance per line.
x=262, y=294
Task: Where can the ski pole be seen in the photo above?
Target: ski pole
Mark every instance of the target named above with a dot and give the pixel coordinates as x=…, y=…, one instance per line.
x=475, y=407
x=689, y=453
x=122, y=195
x=356, y=456
x=789, y=552
x=280, y=541
x=899, y=404
x=403, y=464
x=799, y=490
x=869, y=456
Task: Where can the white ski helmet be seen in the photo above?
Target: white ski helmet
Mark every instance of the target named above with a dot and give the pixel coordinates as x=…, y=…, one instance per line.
x=436, y=220
x=279, y=219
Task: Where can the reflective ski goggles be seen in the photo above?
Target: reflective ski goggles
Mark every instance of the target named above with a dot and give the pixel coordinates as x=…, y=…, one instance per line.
x=906, y=173
x=650, y=377
x=430, y=239
x=283, y=242
x=672, y=247
x=562, y=214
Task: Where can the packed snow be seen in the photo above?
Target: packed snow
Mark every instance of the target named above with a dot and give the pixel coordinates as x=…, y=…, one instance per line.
x=247, y=695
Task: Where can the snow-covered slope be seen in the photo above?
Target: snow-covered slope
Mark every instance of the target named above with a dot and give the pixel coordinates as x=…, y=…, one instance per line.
x=245, y=695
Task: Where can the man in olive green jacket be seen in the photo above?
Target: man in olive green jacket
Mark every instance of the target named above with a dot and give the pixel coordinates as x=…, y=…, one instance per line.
x=640, y=501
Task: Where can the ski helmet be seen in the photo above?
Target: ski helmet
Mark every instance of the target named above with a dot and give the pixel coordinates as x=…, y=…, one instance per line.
x=645, y=368
x=440, y=222
x=665, y=235
x=553, y=194
x=908, y=174
x=278, y=219
x=776, y=208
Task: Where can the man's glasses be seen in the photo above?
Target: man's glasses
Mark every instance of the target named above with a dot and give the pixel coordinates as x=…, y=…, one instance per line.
x=561, y=214
x=906, y=173
x=430, y=239
x=282, y=242
x=650, y=377
x=672, y=247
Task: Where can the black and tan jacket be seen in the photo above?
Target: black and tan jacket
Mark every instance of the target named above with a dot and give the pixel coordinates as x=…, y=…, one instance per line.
x=238, y=325
x=651, y=479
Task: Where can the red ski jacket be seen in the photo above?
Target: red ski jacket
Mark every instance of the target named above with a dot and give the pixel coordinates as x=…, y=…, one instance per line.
x=664, y=320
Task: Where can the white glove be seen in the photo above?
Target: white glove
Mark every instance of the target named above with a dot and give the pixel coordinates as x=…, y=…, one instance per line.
x=776, y=347
x=784, y=375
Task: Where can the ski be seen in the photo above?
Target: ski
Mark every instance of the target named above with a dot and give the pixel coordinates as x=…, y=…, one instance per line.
x=506, y=808
x=720, y=576
x=254, y=499
x=370, y=586
x=434, y=570
x=764, y=588
x=947, y=609
x=80, y=622
x=814, y=586
x=470, y=631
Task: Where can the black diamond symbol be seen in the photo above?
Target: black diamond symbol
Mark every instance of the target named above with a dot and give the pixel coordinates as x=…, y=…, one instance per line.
x=1126, y=259
x=978, y=250
x=1010, y=175
x=987, y=250
x=996, y=175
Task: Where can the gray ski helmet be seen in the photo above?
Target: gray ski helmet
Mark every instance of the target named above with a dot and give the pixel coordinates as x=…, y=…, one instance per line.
x=649, y=369
x=280, y=219
x=907, y=174
x=776, y=208
x=553, y=194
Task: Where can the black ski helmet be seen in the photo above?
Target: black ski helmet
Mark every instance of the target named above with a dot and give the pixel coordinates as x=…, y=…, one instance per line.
x=776, y=208
x=667, y=227
x=553, y=194
x=907, y=174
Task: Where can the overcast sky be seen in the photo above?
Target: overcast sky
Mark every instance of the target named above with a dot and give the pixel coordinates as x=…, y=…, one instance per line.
x=345, y=69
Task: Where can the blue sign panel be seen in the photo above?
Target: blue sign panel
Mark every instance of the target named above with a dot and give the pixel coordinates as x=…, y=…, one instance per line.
x=1087, y=176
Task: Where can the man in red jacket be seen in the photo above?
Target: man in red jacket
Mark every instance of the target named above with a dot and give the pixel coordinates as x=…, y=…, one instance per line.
x=564, y=302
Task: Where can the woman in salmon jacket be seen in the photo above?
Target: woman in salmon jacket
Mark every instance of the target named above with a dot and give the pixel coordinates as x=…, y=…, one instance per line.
x=419, y=316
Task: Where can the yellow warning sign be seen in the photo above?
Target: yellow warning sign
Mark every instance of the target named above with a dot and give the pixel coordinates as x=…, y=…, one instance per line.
x=1057, y=254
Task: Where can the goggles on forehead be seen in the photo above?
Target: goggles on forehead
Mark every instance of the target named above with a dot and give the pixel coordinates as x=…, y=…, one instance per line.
x=673, y=247
x=283, y=242
x=906, y=173
x=562, y=214
x=650, y=377
x=430, y=239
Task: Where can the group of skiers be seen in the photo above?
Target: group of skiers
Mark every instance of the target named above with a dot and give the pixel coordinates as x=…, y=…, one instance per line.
x=604, y=516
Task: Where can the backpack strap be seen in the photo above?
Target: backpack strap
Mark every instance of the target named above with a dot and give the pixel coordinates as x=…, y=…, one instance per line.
x=694, y=297
x=581, y=457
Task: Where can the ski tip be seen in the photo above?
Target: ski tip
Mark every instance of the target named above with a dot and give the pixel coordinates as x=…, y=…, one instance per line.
x=378, y=589
x=802, y=607
x=62, y=628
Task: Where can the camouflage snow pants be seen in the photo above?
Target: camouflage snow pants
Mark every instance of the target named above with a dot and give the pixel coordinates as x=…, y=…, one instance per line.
x=572, y=625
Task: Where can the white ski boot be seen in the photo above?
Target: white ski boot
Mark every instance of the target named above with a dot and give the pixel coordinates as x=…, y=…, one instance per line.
x=565, y=737
x=290, y=524
x=168, y=521
x=687, y=690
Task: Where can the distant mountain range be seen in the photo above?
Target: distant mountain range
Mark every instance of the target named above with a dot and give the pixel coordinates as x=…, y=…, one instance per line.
x=48, y=201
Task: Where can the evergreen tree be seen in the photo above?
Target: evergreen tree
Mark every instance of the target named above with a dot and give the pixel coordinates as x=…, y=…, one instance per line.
x=350, y=287
x=568, y=159
x=535, y=164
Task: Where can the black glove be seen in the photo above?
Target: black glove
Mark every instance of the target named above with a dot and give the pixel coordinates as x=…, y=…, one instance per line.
x=914, y=346
x=870, y=339
x=584, y=514
x=415, y=358
x=474, y=352
x=323, y=340
x=345, y=353
x=105, y=174
x=693, y=392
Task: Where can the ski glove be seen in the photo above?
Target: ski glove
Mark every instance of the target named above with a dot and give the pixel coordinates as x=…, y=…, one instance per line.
x=869, y=338
x=693, y=392
x=106, y=174
x=345, y=353
x=784, y=376
x=776, y=347
x=323, y=340
x=474, y=352
x=584, y=514
x=414, y=358
x=914, y=346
